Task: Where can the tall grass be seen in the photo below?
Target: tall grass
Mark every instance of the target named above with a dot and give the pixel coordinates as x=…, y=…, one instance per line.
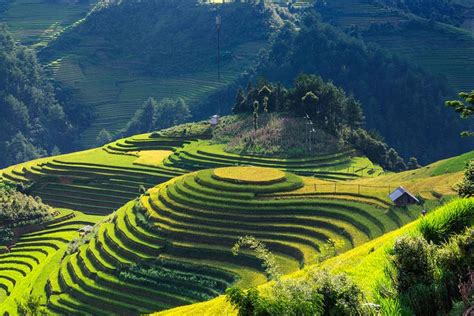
x=450, y=219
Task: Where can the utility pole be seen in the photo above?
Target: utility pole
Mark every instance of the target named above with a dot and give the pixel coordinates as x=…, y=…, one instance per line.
x=218, y=25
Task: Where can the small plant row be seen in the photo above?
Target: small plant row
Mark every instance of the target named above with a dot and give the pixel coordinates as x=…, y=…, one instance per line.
x=33, y=249
x=331, y=166
x=162, y=249
x=120, y=271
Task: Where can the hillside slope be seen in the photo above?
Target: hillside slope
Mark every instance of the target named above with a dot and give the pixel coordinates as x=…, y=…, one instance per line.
x=439, y=48
x=192, y=220
x=169, y=51
x=36, y=22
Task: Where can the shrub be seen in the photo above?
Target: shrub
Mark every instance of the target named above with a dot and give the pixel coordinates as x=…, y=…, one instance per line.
x=18, y=209
x=450, y=219
x=319, y=293
x=412, y=260
x=466, y=187
x=30, y=306
x=6, y=235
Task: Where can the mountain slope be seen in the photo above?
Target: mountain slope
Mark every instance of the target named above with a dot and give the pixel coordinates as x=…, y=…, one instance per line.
x=124, y=53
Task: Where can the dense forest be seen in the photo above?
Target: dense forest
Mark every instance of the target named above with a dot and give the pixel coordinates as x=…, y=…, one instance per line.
x=401, y=101
x=33, y=120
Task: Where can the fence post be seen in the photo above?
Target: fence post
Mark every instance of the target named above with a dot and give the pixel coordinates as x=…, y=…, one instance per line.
x=315, y=187
x=358, y=189
x=335, y=189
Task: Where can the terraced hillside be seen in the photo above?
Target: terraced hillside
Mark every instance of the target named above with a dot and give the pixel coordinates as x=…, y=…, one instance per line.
x=93, y=181
x=112, y=64
x=437, y=47
x=369, y=259
x=190, y=223
x=99, y=181
x=33, y=256
x=36, y=22
x=108, y=87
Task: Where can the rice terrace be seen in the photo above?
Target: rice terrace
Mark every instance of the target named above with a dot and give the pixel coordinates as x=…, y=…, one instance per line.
x=251, y=158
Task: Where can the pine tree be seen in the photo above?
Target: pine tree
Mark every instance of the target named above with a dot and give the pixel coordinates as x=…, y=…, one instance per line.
x=104, y=137
x=239, y=105
x=464, y=107
x=413, y=164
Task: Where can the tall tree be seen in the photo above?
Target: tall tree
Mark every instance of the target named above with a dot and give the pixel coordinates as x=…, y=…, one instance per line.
x=465, y=107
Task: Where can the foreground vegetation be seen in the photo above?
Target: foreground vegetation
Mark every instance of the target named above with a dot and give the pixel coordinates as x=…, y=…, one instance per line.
x=372, y=259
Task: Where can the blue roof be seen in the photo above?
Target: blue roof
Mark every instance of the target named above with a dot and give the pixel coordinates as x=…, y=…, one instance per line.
x=395, y=195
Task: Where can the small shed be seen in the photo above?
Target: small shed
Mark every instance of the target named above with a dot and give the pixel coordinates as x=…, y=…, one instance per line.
x=401, y=197
x=214, y=120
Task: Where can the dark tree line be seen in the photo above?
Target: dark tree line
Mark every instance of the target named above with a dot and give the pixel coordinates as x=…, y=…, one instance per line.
x=33, y=122
x=155, y=115
x=328, y=107
x=400, y=100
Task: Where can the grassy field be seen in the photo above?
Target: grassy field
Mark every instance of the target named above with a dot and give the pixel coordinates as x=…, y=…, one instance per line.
x=439, y=48
x=27, y=267
x=196, y=218
x=108, y=87
x=366, y=260
x=36, y=22
x=191, y=217
x=100, y=180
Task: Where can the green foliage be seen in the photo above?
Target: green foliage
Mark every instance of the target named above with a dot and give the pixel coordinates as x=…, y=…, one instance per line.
x=466, y=187
x=448, y=220
x=376, y=150
x=413, y=262
x=32, y=120
x=268, y=260
x=398, y=98
x=319, y=293
x=30, y=306
x=413, y=163
x=104, y=137
x=427, y=273
x=18, y=209
x=6, y=235
x=464, y=107
x=327, y=105
x=155, y=115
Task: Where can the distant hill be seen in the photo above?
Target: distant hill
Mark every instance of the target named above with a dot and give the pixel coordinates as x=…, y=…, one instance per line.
x=36, y=22
x=123, y=53
x=401, y=100
x=437, y=47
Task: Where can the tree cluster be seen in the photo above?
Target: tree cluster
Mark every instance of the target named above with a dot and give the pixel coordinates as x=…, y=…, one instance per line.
x=400, y=100
x=318, y=293
x=18, y=209
x=32, y=121
x=155, y=115
x=327, y=105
